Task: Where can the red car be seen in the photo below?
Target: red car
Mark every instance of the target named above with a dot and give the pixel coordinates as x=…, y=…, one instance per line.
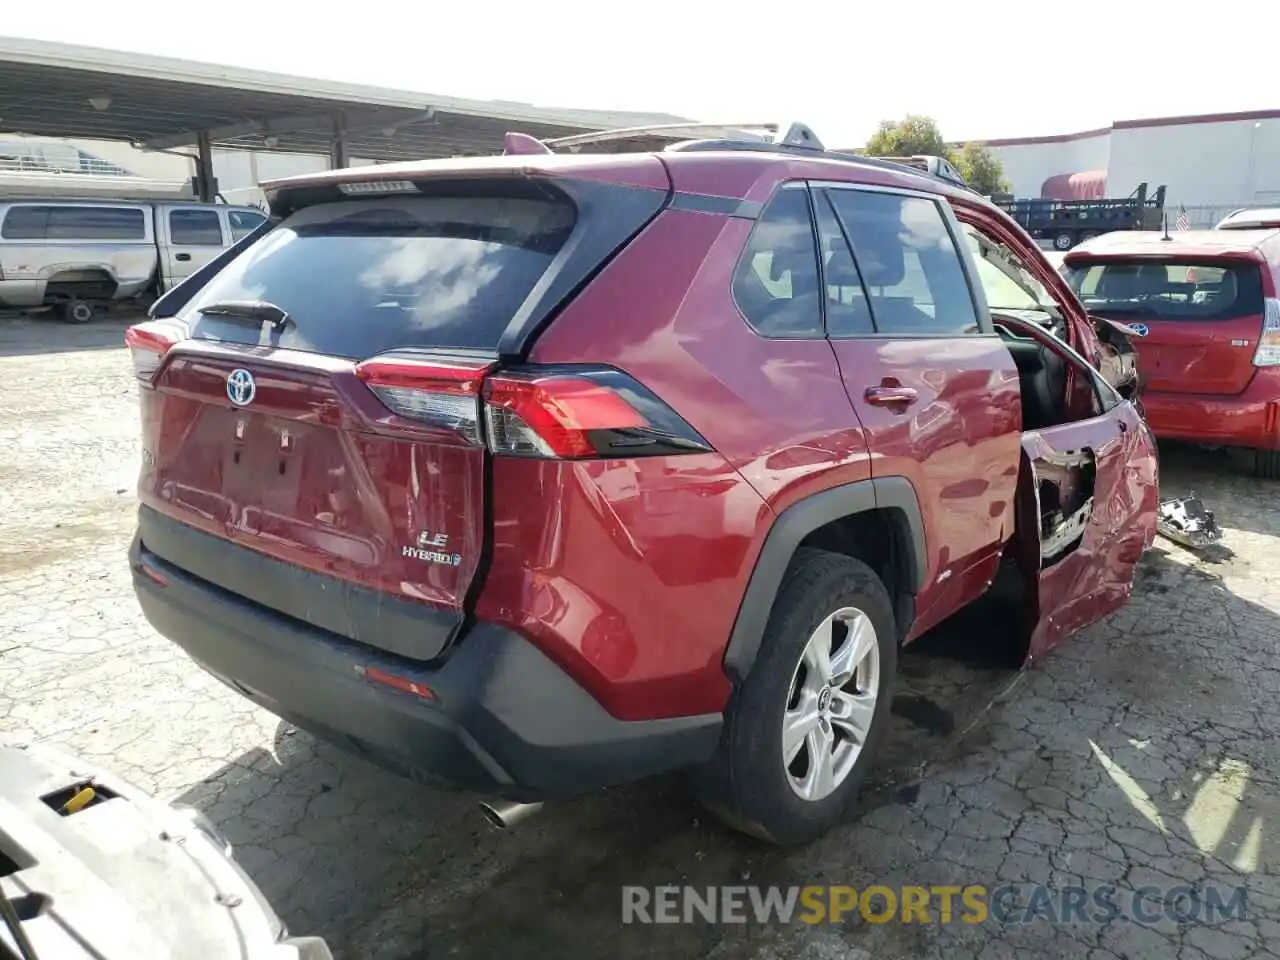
x=1204, y=304
x=537, y=473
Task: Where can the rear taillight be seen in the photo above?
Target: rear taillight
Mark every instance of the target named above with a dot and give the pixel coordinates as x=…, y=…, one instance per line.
x=1268, y=352
x=571, y=413
x=148, y=343
x=556, y=413
x=443, y=392
x=553, y=416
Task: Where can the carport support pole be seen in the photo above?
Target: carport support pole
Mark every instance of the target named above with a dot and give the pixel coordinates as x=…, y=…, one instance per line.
x=338, y=150
x=204, y=167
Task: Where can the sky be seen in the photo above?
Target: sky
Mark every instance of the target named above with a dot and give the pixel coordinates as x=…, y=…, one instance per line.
x=982, y=69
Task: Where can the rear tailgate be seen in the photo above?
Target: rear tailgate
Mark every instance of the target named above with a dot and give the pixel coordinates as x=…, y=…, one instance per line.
x=1202, y=317
x=345, y=442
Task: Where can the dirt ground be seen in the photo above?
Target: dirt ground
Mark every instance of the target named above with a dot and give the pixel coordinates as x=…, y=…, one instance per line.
x=1141, y=753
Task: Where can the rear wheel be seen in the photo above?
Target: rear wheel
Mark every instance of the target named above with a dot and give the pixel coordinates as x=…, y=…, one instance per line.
x=1063, y=240
x=1266, y=464
x=77, y=311
x=805, y=723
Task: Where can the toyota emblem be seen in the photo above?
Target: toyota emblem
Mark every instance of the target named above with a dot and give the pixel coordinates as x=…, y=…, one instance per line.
x=241, y=387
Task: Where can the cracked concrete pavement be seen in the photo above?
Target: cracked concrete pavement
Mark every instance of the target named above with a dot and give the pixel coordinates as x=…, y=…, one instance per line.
x=1140, y=753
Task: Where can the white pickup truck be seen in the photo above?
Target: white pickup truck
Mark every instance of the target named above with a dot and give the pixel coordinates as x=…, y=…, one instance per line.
x=71, y=255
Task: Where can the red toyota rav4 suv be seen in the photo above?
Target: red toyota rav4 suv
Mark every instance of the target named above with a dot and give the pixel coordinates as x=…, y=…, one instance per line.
x=536, y=473
x=1204, y=305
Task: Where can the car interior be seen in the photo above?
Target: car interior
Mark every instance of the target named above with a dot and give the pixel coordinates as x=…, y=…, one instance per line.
x=1168, y=290
x=1042, y=375
x=1027, y=322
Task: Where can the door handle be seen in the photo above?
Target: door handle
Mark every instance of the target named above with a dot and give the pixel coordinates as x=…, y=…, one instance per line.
x=184, y=257
x=891, y=396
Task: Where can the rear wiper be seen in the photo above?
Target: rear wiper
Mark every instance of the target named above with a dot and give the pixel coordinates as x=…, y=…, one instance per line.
x=256, y=311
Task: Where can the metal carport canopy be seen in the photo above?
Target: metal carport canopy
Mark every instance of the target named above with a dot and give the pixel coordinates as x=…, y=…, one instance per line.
x=160, y=103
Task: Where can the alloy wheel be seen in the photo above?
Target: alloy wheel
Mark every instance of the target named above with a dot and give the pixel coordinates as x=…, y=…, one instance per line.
x=831, y=703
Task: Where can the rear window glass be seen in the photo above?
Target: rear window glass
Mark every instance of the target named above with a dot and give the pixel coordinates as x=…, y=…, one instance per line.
x=360, y=277
x=1169, y=290
x=74, y=223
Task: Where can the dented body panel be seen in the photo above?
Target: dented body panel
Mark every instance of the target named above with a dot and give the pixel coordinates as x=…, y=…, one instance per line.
x=1088, y=493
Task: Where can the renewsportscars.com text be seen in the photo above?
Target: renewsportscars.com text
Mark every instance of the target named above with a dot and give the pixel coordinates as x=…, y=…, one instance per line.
x=1007, y=904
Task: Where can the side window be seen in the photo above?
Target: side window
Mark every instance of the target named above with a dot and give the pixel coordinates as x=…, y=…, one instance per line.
x=195, y=228
x=25, y=223
x=96, y=223
x=848, y=313
x=243, y=223
x=776, y=282
x=909, y=263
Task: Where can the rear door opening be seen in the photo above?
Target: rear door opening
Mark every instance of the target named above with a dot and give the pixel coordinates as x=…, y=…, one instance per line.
x=319, y=401
x=1202, y=318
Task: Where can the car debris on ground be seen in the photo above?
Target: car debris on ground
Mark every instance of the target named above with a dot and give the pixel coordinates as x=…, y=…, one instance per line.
x=92, y=867
x=1187, y=521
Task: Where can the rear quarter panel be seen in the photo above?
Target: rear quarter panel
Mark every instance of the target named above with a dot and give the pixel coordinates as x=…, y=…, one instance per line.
x=664, y=549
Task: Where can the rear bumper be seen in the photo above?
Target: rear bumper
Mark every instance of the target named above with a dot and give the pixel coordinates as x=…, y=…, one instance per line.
x=504, y=719
x=21, y=293
x=1250, y=419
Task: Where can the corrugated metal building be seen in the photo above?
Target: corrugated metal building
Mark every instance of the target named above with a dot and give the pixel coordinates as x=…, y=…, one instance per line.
x=247, y=125
x=1212, y=163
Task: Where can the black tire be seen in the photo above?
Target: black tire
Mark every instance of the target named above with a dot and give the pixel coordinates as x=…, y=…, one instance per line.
x=1266, y=464
x=77, y=311
x=1064, y=240
x=746, y=783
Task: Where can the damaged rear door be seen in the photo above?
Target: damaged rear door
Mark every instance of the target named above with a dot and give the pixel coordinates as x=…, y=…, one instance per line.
x=1092, y=486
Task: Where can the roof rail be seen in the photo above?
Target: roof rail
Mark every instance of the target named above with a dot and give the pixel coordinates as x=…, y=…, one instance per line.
x=787, y=138
x=792, y=134
x=937, y=168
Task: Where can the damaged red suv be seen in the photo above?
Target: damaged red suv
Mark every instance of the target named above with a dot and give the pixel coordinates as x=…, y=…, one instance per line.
x=1204, y=307
x=538, y=473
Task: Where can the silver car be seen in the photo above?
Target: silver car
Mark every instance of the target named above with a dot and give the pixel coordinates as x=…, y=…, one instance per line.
x=72, y=255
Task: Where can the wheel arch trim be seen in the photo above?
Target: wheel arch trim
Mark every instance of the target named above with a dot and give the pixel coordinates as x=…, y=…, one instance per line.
x=787, y=532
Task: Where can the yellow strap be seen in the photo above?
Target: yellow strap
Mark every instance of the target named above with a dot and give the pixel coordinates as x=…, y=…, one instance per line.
x=81, y=800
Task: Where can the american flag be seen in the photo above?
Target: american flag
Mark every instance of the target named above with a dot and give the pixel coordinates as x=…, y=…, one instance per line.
x=1182, y=223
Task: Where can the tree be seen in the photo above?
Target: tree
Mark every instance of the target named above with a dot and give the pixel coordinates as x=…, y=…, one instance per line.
x=917, y=135
x=980, y=168
x=909, y=137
